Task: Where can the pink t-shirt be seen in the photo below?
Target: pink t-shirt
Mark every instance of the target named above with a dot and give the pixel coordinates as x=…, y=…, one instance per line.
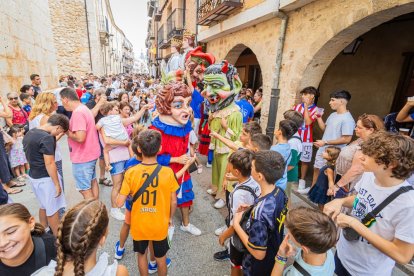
x=82, y=120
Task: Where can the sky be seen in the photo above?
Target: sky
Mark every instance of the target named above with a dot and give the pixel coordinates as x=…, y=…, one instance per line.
x=131, y=17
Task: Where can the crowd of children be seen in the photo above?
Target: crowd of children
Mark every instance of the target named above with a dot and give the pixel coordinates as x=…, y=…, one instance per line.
x=263, y=231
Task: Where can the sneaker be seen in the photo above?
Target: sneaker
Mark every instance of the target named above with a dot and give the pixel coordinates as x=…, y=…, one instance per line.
x=222, y=256
x=304, y=191
x=119, y=253
x=208, y=165
x=117, y=214
x=302, y=184
x=211, y=192
x=220, y=230
x=191, y=229
x=219, y=204
x=152, y=268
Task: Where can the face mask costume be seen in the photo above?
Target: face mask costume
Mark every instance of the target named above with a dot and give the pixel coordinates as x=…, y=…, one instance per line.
x=221, y=86
x=173, y=122
x=196, y=62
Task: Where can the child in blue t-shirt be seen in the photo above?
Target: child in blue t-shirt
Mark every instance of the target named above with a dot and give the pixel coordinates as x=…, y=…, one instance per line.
x=313, y=246
x=287, y=128
x=27, y=102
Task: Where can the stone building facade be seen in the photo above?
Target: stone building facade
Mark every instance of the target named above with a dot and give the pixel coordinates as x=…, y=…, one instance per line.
x=26, y=45
x=299, y=43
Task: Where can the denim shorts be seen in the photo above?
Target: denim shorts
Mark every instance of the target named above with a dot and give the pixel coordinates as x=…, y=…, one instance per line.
x=117, y=167
x=84, y=173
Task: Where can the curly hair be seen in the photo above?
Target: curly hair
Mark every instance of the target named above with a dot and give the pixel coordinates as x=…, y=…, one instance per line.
x=390, y=149
x=79, y=233
x=166, y=96
x=45, y=104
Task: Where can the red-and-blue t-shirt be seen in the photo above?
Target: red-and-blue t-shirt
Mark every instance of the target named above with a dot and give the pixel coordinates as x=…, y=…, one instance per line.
x=306, y=131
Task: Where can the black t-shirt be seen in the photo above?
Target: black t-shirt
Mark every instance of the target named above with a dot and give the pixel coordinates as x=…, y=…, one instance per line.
x=37, y=90
x=37, y=143
x=29, y=266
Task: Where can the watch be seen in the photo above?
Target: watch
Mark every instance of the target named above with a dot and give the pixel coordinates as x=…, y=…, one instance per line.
x=326, y=142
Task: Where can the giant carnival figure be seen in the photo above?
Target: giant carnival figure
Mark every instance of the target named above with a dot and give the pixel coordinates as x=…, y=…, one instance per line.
x=187, y=46
x=196, y=63
x=222, y=86
x=173, y=106
x=174, y=61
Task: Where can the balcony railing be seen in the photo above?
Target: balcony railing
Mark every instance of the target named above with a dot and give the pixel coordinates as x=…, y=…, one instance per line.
x=103, y=26
x=213, y=11
x=151, y=7
x=158, y=15
x=175, y=24
x=162, y=40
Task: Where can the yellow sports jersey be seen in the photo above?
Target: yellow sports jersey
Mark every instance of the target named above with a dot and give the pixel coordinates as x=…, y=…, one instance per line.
x=150, y=213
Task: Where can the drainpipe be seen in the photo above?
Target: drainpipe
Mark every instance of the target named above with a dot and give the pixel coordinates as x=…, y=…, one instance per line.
x=89, y=39
x=275, y=93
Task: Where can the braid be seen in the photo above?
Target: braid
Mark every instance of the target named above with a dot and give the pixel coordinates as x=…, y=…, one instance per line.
x=82, y=249
x=60, y=257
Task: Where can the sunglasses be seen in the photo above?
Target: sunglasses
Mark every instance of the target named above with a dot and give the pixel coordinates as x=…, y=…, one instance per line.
x=15, y=98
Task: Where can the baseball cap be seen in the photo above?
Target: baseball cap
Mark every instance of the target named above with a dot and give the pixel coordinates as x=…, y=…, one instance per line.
x=88, y=86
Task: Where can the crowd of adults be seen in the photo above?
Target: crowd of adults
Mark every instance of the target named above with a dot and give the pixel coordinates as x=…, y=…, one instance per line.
x=91, y=111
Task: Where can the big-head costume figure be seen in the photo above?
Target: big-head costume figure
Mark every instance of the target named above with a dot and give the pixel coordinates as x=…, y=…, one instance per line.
x=173, y=106
x=187, y=46
x=222, y=84
x=174, y=61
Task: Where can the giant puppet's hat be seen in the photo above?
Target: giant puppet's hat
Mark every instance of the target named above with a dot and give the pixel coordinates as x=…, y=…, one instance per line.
x=188, y=34
x=198, y=56
x=175, y=42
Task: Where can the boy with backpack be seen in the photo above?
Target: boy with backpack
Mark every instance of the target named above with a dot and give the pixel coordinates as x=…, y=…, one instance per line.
x=380, y=229
x=154, y=201
x=260, y=228
x=245, y=192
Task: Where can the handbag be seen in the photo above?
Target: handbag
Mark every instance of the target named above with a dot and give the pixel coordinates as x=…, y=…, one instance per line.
x=351, y=235
x=144, y=186
x=193, y=167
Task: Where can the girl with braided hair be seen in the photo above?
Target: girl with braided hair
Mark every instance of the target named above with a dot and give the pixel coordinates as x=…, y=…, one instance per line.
x=24, y=245
x=82, y=230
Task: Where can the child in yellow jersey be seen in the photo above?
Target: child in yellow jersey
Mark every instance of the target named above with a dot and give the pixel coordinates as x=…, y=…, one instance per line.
x=153, y=211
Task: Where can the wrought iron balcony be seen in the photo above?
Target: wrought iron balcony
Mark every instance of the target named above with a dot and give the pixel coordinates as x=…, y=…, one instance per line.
x=151, y=7
x=163, y=43
x=158, y=15
x=213, y=11
x=103, y=30
x=175, y=24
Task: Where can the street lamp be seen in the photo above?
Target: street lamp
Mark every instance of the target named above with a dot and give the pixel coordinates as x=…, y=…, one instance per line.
x=352, y=48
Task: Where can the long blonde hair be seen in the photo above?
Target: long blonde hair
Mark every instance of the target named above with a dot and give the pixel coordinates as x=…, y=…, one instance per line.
x=45, y=103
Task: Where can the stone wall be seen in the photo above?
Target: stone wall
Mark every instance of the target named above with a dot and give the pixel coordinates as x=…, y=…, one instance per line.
x=26, y=45
x=70, y=36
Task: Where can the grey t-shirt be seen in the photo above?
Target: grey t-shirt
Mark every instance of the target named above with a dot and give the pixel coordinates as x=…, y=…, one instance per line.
x=338, y=125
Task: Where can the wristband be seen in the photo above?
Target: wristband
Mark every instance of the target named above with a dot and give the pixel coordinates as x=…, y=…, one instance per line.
x=326, y=142
x=281, y=260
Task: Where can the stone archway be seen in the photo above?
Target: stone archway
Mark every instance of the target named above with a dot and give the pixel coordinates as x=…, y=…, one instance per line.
x=234, y=54
x=304, y=64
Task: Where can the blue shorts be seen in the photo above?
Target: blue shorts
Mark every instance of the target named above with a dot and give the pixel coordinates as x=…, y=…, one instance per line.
x=117, y=167
x=84, y=173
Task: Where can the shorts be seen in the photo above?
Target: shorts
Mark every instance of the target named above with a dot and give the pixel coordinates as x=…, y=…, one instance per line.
x=117, y=167
x=160, y=247
x=236, y=257
x=84, y=173
x=127, y=219
x=319, y=161
x=44, y=190
x=306, y=155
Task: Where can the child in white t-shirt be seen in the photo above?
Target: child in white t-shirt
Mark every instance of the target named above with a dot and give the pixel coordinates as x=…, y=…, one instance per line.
x=374, y=247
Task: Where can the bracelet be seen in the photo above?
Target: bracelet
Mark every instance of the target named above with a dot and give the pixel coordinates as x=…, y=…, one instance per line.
x=281, y=260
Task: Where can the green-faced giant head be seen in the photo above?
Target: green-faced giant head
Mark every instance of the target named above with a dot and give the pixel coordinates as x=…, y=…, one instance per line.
x=222, y=84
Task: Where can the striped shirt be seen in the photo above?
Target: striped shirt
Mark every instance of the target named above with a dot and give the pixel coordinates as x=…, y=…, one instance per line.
x=306, y=131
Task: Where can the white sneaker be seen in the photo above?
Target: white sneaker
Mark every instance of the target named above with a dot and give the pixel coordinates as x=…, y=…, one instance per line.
x=191, y=229
x=208, y=165
x=304, y=191
x=220, y=230
x=211, y=192
x=219, y=204
x=117, y=214
x=302, y=184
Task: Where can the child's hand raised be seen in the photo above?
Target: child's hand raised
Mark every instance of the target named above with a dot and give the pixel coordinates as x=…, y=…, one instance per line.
x=214, y=134
x=285, y=248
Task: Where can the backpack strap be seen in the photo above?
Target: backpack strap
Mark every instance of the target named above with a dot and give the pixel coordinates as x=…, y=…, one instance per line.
x=248, y=189
x=147, y=182
x=370, y=217
x=300, y=269
x=40, y=252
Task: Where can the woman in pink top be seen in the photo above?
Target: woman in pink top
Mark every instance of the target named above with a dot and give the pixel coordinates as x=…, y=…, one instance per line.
x=19, y=115
x=125, y=112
